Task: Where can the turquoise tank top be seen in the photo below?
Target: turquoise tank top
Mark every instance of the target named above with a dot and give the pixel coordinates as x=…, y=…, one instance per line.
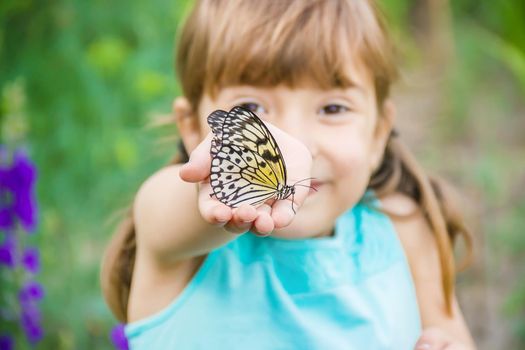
x=352, y=290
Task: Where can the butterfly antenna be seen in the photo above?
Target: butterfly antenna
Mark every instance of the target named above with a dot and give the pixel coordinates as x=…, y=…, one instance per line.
x=310, y=178
x=313, y=188
x=293, y=195
x=297, y=184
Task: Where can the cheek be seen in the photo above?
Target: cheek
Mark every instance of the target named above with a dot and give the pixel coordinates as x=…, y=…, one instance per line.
x=350, y=168
x=349, y=156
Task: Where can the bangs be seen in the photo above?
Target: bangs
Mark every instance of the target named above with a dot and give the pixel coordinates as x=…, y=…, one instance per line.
x=267, y=43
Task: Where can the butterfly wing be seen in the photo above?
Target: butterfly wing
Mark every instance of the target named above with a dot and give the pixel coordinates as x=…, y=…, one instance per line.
x=246, y=127
x=247, y=165
x=216, y=120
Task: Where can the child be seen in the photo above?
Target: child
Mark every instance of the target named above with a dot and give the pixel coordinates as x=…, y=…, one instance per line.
x=366, y=261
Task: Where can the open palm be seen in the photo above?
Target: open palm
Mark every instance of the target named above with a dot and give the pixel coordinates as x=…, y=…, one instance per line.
x=266, y=217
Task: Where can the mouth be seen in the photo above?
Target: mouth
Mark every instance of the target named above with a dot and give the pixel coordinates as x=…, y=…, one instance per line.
x=315, y=185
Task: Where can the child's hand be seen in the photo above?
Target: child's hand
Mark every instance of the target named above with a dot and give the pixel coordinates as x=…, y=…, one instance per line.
x=265, y=218
x=436, y=339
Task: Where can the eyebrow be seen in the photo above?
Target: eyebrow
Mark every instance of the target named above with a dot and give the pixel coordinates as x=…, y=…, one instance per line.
x=343, y=91
x=352, y=84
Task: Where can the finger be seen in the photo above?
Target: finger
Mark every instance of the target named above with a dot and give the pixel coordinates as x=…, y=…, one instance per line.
x=198, y=167
x=282, y=213
x=213, y=211
x=300, y=195
x=263, y=225
x=218, y=214
x=242, y=219
x=454, y=346
x=245, y=213
x=432, y=338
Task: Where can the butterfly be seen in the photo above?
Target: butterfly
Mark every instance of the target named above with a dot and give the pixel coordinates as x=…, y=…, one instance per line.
x=247, y=165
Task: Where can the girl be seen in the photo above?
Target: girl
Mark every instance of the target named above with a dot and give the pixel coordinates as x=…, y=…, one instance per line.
x=365, y=263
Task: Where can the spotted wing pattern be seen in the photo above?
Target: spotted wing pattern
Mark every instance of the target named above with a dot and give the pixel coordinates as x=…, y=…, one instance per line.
x=247, y=165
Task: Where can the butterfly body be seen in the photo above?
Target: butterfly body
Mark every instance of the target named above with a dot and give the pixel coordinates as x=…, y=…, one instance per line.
x=285, y=191
x=247, y=165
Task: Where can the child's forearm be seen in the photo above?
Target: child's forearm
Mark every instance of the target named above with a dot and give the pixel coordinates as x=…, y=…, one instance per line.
x=168, y=222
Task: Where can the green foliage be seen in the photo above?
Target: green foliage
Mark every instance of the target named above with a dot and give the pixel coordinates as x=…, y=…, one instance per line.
x=485, y=90
x=90, y=76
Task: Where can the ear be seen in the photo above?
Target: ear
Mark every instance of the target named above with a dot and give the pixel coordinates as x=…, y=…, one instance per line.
x=187, y=123
x=384, y=125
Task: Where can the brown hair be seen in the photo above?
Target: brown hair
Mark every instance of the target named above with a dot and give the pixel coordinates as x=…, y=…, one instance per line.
x=265, y=43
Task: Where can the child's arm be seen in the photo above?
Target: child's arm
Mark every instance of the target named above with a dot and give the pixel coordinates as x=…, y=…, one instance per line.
x=440, y=331
x=167, y=219
x=177, y=223
x=172, y=240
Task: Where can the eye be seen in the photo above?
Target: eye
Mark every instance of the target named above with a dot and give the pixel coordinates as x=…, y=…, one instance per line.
x=334, y=109
x=254, y=107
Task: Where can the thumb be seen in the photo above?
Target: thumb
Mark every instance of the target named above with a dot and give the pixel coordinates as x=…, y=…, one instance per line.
x=283, y=211
x=198, y=167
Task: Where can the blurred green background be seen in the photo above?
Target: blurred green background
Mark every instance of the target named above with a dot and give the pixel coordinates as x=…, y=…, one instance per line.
x=81, y=83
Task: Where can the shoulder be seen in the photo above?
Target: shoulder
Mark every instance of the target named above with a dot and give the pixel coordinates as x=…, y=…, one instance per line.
x=158, y=182
x=420, y=246
x=412, y=228
x=417, y=238
x=157, y=278
x=150, y=203
x=163, y=206
x=156, y=196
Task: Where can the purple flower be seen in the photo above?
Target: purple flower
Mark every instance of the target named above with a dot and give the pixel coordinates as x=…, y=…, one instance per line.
x=6, y=219
x=118, y=337
x=31, y=260
x=32, y=290
x=30, y=320
x=17, y=204
x=8, y=250
x=6, y=342
x=19, y=179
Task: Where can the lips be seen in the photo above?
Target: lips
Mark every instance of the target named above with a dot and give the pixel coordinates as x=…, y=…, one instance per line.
x=315, y=185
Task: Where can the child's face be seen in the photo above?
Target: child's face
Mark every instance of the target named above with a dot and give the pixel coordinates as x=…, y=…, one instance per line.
x=342, y=129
